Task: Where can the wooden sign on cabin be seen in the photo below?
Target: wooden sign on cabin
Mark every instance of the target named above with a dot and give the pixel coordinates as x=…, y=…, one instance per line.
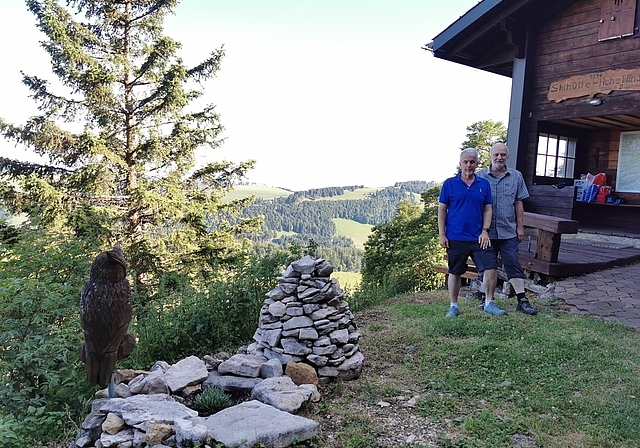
x=594, y=83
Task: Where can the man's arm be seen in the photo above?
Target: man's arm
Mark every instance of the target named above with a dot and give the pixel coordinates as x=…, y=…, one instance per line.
x=484, y=240
x=442, y=219
x=519, y=207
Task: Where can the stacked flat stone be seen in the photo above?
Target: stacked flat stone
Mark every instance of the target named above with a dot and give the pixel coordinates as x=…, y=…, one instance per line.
x=306, y=319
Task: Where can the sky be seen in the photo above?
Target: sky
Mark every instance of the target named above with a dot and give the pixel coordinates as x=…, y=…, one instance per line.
x=319, y=93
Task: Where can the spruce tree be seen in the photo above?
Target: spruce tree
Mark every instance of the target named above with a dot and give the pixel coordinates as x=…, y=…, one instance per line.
x=121, y=136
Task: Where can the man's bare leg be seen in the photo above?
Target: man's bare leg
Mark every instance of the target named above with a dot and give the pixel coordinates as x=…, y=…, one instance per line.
x=489, y=280
x=518, y=285
x=454, y=283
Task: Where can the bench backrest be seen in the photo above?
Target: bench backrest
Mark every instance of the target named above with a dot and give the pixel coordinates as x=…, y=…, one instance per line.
x=547, y=200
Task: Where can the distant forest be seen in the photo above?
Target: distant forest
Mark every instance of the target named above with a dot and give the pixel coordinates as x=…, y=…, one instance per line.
x=304, y=218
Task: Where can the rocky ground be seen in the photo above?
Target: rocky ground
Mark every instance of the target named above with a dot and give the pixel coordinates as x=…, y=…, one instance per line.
x=349, y=414
x=349, y=407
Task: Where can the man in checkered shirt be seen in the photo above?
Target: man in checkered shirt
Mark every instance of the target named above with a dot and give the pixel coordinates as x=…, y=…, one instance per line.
x=507, y=222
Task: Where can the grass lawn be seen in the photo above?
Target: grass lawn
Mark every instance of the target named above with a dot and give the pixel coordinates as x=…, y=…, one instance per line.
x=552, y=380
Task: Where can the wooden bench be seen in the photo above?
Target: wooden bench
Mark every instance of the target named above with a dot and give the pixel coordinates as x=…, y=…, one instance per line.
x=472, y=270
x=549, y=232
x=547, y=200
x=471, y=273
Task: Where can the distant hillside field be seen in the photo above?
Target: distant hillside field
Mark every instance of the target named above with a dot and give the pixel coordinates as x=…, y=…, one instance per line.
x=263, y=192
x=349, y=281
x=354, y=230
x=259, y=191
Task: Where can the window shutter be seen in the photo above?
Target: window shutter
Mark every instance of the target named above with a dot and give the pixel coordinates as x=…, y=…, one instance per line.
x=617, y=19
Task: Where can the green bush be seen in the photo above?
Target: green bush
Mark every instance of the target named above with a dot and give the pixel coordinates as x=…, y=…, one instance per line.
x=400, y=256
x=224, y=315
x=9, y=428
x=42, y=383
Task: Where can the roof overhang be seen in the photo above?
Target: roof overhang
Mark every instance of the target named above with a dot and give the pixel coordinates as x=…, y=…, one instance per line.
x=491, y=34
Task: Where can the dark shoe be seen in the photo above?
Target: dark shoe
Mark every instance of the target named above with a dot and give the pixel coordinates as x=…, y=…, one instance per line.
x=525, y=307
x=481, y=306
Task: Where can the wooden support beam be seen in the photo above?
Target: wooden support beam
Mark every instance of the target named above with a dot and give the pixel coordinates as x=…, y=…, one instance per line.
x=548, y=246
x=550, y=223
x=550, y=230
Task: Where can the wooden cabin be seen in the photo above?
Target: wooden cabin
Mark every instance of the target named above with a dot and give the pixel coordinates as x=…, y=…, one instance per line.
x=575, y=97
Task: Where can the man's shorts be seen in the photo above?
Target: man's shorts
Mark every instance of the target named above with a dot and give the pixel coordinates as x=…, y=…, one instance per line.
x=508, y=249
x=459, y=251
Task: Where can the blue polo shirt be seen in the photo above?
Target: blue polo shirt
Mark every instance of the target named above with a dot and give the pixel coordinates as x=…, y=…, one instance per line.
x=465, y=204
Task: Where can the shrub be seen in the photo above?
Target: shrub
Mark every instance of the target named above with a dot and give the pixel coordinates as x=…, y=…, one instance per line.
x=224, y=315
x=42, y=383
x=399, y=256
x=211, y=400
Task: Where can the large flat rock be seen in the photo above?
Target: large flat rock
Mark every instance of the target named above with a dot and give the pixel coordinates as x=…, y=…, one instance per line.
x=253, y=422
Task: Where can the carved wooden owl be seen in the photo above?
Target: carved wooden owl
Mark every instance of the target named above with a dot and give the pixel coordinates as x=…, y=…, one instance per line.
x=105, y=313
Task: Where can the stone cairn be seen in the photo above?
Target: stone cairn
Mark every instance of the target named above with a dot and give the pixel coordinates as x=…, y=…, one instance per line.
x=306, y=319
x=306, y=335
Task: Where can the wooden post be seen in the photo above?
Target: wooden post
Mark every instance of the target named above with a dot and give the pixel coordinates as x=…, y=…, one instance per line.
x=550, y=230
x=548, y=246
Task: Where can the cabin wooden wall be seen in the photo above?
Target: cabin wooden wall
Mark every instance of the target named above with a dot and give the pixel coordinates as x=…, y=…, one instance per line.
x=567, y=45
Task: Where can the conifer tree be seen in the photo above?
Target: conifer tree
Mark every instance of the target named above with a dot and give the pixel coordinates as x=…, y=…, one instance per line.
x=121, y=136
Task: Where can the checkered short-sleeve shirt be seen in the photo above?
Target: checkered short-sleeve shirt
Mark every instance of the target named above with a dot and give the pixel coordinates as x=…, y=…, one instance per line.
x=506, y=189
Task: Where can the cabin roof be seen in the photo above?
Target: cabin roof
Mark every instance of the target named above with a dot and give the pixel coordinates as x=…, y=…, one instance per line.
x=492, y=33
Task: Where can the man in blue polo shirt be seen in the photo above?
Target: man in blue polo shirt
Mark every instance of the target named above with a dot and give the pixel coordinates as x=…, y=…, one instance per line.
x=464, y=217
x=507, y=222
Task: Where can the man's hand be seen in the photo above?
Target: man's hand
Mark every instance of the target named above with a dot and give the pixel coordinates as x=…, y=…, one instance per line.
x=484, y=240
x=444, y=242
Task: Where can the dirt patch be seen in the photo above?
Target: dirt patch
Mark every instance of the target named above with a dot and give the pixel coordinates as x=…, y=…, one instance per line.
x=352, y=406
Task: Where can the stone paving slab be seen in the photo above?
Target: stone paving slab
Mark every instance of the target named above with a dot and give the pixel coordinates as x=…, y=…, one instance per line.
x=612, y=294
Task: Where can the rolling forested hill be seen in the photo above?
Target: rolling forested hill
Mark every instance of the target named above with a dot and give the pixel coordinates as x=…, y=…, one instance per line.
x=335, y=220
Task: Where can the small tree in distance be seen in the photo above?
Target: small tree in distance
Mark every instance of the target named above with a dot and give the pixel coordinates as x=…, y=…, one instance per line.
x=400, y=255
x=482, y=135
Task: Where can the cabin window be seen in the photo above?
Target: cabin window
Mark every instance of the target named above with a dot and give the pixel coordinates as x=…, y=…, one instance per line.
x=556, y=156
x=628, y=175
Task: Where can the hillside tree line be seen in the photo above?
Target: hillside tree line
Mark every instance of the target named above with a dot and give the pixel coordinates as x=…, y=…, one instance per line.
x=303, y=216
